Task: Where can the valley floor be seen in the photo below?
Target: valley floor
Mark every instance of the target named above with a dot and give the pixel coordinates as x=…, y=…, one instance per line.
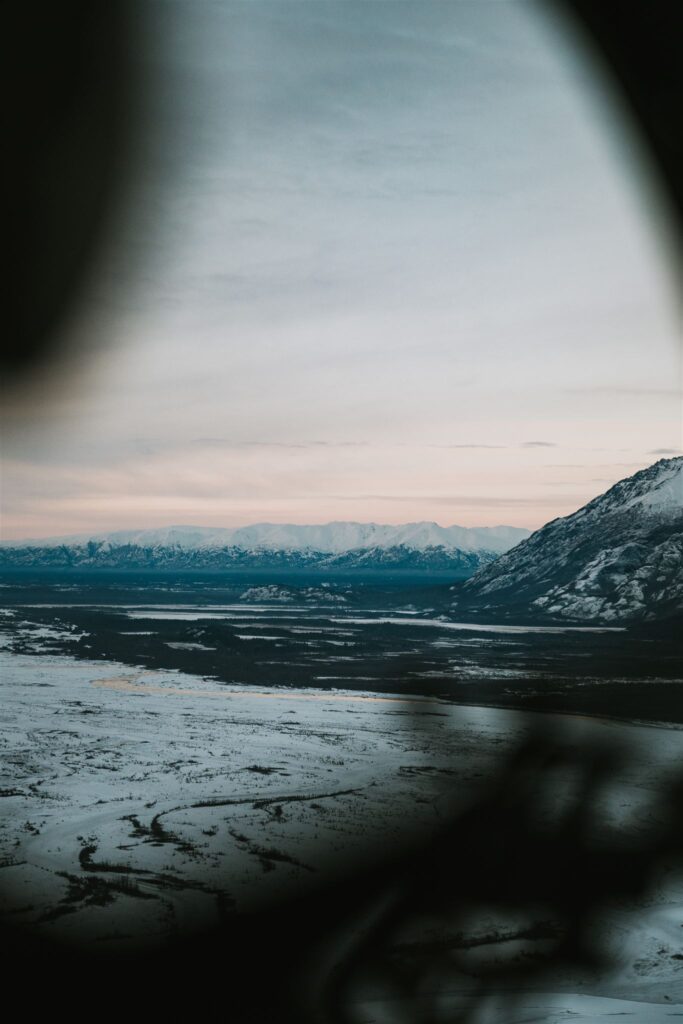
x=140, y=804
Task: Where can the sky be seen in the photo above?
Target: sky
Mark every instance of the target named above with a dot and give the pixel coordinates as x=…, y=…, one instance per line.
x=385, y=261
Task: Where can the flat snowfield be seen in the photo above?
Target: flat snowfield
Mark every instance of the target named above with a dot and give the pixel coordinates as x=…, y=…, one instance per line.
x=141, y=804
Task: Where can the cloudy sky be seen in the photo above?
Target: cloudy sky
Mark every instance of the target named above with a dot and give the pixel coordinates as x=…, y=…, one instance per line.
x=386, y=261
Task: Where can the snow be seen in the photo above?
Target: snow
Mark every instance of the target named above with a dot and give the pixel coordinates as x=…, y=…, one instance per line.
x=332, y=538
x=88, y=745
x=177, y=646
x=100, y=758
x=538, y=1008
x=479, y=627
x=667, y=493
x=271, y=592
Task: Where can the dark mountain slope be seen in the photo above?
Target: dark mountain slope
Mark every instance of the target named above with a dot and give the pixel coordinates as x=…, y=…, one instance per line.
x=619, y=558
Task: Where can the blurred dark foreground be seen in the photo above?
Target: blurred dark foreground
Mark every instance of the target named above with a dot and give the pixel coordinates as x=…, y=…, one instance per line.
x=325, y=956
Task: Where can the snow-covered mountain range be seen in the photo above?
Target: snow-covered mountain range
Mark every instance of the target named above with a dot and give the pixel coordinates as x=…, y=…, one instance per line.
x=341, y=545
x=619, y=558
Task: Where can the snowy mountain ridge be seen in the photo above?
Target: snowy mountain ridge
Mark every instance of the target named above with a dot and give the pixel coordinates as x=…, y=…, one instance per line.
x=328, y=538
x=656, y=490
x=619, y=558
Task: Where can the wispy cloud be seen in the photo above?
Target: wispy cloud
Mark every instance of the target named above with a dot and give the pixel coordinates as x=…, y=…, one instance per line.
x=498, y=447
x=224, y=442
x=627, y=391
x=469, y=500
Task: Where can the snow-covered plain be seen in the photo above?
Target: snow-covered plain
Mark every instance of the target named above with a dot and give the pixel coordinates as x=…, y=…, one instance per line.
x=114, y=762
x=141, y=804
